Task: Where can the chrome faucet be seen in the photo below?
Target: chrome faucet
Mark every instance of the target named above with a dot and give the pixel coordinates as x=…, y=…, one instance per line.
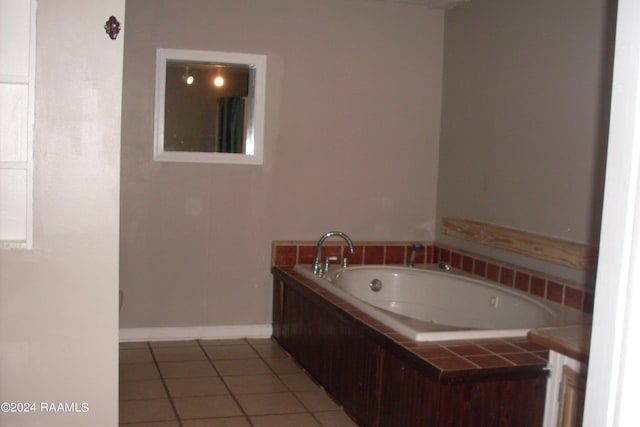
x=318, y=268
x=415, y=247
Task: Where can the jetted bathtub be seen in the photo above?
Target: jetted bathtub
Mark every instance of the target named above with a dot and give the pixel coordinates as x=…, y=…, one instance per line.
x=436, y=305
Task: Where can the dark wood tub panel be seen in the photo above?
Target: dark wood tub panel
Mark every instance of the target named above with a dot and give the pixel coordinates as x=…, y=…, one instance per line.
x=382, y=383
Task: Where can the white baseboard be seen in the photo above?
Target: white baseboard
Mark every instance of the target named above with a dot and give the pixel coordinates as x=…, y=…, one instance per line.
x=195, y=332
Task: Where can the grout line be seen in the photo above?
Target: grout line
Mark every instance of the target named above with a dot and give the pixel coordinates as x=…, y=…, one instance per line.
x=262, y=358
x=318, y=387
x=164, y=384
x=302, y=371
x=231, y=394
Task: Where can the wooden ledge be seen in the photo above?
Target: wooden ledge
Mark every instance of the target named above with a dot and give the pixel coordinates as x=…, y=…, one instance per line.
x=557, y=251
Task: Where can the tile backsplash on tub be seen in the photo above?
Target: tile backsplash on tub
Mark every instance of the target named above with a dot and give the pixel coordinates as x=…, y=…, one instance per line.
x=574, y=295
x=287, y=254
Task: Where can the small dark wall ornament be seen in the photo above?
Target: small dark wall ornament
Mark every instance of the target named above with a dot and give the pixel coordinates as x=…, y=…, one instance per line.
x=112, y=27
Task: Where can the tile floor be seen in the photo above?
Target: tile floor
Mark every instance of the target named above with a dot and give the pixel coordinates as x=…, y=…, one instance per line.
x=230, y=383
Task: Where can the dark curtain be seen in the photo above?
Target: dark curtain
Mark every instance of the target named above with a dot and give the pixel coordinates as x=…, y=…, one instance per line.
x=230, y=124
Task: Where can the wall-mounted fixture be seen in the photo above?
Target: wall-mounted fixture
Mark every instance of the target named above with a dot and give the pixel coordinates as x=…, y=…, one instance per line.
x=112, y=27
x=207, y=121
x=186, y=77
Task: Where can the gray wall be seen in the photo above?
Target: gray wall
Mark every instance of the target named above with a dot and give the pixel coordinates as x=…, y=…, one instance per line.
x=352, y=131
x=525, y=107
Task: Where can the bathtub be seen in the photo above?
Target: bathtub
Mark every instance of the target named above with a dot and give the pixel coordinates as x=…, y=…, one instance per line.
x=435, y=305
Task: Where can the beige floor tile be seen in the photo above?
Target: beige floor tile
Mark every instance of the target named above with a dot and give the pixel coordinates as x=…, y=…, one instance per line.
x=258, y=340
x=288, y=420
x=198, y=386
x=189, y=369
x=218, y=422
x=316, y=401
x=283, y=366
x=269, y=349
x=248, y=384
x=138, y=371
x=207, y=407
x=298, y=382
x=135, y=411
x=178, y=354
x=135, y=355
x=177, y=343
x=144, y=389
x=270, y=403
x=334, y=419
x=222, y=352
x=154, y=424
x=241, y=367
x=231, y=341
x=202, y=397
x=134, y=344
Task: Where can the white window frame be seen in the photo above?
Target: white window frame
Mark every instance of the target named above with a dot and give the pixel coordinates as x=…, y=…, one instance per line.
x=27, y=164
x=255, y=128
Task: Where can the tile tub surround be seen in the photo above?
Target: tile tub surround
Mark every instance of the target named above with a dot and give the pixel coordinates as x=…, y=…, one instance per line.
x=573, y=295
x=233, y=383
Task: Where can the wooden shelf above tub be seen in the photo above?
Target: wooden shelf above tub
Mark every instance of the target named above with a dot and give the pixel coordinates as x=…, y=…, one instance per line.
x=557, y=251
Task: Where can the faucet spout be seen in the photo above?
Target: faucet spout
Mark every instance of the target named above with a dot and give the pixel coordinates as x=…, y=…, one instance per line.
x=317, y=263
x=415, y=247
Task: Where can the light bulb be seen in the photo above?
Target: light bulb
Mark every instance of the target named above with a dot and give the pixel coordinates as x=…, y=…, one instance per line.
x=218, y=81
x=186, y=77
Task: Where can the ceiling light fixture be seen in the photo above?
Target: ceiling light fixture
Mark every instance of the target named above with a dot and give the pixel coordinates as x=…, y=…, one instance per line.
x=188, y=79
x=218, y=81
